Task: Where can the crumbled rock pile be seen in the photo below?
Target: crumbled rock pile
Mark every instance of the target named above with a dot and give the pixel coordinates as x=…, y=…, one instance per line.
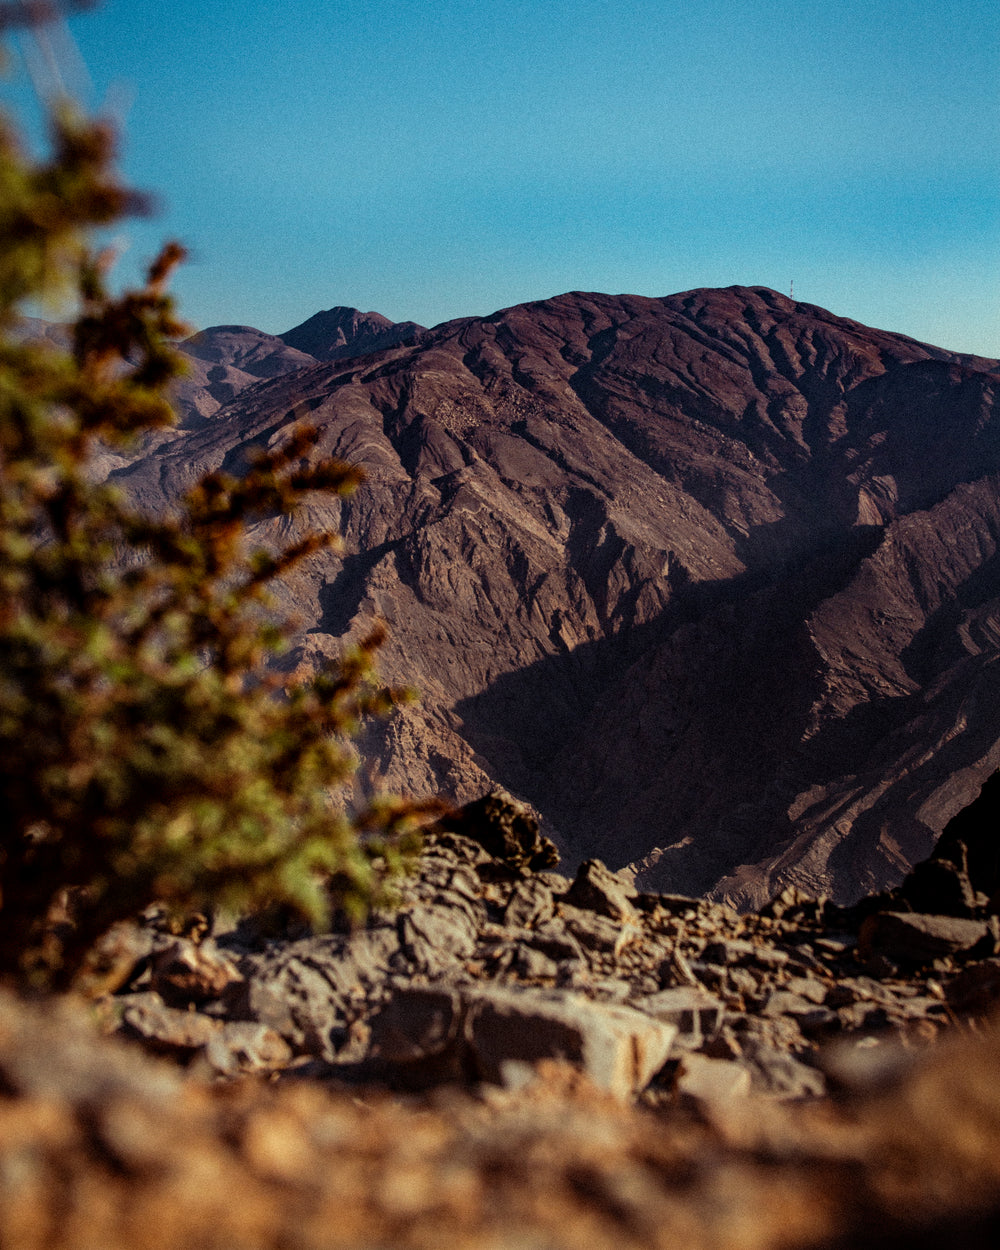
x=494, y=963
x=103, y=1147
x=514, y=1058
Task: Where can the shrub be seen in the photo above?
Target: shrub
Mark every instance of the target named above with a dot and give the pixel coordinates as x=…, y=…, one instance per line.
x=145, y=752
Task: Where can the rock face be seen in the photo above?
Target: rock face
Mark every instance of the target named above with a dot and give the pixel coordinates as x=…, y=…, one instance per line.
x=710, y=580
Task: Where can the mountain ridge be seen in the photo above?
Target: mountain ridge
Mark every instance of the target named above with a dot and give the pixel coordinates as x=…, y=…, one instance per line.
x=675, y=570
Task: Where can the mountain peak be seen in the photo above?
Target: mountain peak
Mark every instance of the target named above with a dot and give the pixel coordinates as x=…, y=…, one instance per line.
x=340, y=332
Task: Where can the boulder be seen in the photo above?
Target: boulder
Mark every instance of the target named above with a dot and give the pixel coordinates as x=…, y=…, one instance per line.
x=618, y=1048
x=711, y=1081
x=976, y=989
x=942, y=888
x=417, y=1023
x=596, y=888
x=506, y=828
x=310, y=990
x=696, y=1014
x=915, y=938
x=166, y=1030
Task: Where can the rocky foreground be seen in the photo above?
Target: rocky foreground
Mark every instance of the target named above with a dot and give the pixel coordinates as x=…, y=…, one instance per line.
x=514, y=1058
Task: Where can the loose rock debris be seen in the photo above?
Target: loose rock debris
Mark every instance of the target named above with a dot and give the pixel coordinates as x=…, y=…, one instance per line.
x=515, y=1058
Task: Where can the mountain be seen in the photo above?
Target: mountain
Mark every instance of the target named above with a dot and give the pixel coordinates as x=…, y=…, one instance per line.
x=341, y=332
x=711, y=580
x=251, y=351
x=222, y=361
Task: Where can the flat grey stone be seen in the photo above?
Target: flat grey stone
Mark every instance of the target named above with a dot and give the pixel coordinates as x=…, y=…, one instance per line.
x=784, y=1003
x=168, y=1029
x=696, y=1014
x=618, y=1048
x=711, y=1081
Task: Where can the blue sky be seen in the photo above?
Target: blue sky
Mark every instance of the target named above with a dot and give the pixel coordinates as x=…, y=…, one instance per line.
x=431, y=159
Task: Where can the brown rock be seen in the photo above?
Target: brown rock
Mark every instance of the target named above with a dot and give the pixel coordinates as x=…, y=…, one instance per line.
x=976, y=988
x=918, y=938
x=597, y=889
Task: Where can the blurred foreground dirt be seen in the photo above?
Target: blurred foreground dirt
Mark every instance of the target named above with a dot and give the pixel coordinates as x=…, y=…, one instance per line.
x=102, y=1147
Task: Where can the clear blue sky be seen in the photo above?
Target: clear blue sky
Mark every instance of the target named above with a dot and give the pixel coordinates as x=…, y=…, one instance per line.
x=432, y=159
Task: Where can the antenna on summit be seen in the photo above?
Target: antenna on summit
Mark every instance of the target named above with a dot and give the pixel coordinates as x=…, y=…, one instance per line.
x=791, y=289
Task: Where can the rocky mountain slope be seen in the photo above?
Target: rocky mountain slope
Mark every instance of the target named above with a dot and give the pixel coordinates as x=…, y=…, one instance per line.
x=711, y=580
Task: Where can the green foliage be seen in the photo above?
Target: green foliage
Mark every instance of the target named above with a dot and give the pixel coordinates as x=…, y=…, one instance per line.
x=145, y=752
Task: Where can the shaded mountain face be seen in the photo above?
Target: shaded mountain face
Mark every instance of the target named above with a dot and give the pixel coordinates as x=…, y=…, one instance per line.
x=712, y=580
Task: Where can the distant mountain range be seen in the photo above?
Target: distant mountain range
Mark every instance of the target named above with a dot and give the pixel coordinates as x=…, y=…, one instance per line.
x=711, y=580
x=224, y=360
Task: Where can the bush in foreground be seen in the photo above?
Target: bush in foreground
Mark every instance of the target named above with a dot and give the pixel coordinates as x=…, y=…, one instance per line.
x=145, y=753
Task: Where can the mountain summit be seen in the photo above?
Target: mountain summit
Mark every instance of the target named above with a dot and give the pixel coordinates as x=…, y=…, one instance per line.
x=342, y=332
x=712, y=580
